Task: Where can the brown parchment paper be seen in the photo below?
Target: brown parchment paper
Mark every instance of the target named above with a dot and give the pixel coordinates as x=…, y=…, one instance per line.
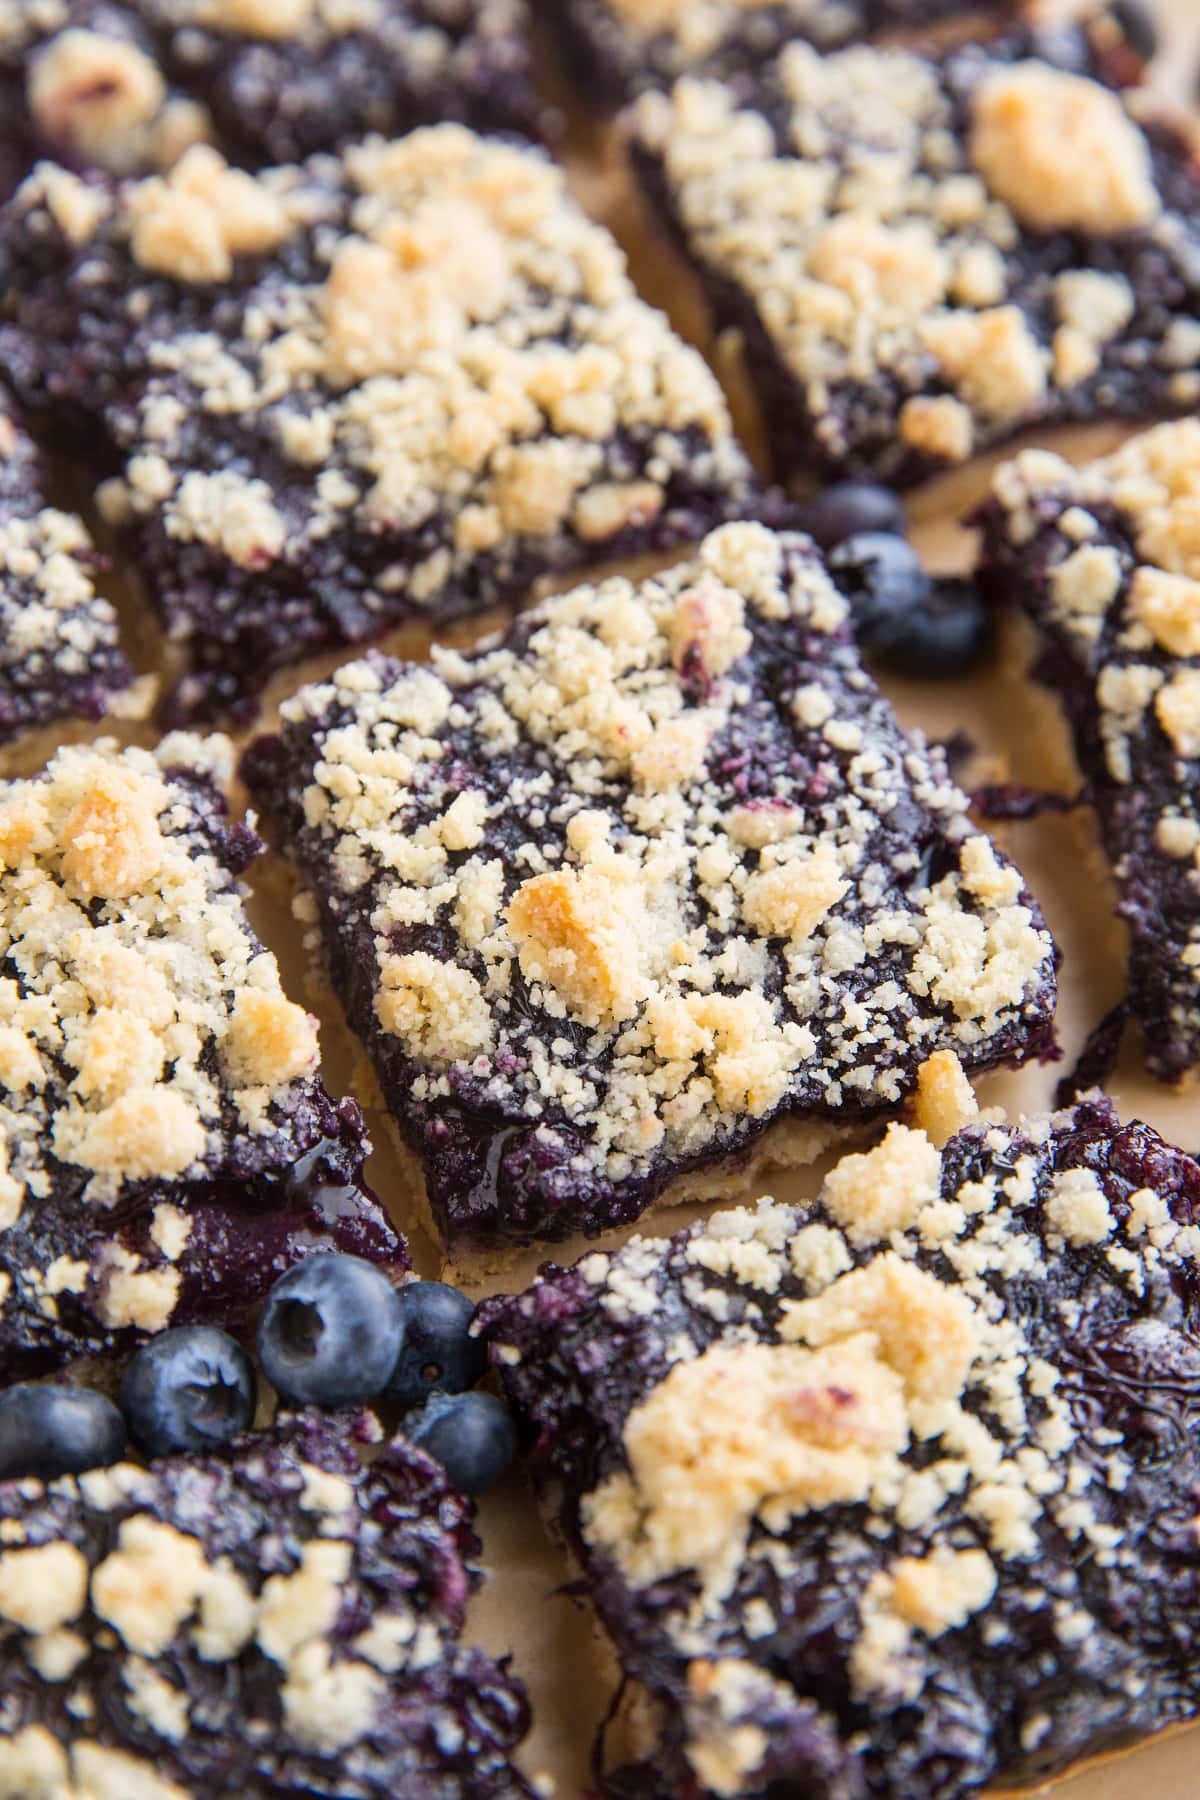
x=523, y=1611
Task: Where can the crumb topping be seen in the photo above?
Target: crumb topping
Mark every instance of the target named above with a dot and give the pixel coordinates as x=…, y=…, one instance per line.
x=141, y=1019
x=646, y=961
x=881, y=212
x=1061, y=152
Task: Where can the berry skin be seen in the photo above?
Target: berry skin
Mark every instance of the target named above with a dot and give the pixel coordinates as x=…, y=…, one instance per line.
x=471, y=1435
x=57, y=1430
x=1135, y=22
x=437, y=1352
x=188, y=1389
x=882, y=577
x=849, y=509
x=946, y=636
x=914, y=625
x=330, y=1332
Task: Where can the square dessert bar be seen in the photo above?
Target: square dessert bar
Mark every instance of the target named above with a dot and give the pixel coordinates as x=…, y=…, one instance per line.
x=892, y=1494
x=129, y=85
x=925, y=254
x=657, y=872
x=1105, y=560
x=59, y=656
x=616, y=47
x=166, y=1145
x=404, y=383
x=274, y=1620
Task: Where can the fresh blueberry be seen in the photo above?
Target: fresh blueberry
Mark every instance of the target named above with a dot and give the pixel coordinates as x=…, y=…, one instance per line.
x=947, y=635
x=188, y=1389
x=1136, y=25
x=471, y=1435
x=849, y=508
x=437, y=1352
x=881, y=576
x=330, y=1331
x=57, y=1430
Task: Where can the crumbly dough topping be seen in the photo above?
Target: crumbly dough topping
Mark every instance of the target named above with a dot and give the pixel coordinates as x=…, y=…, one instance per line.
x=141, y=1024
x=880, y=211
x=908, y=1392
x=1123, y=595
x=425, y=336
x=577, y=905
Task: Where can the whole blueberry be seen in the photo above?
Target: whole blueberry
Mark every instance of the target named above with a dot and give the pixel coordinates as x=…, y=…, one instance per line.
x=437, y=1351
x=187, y=1389
x=1135, y=22
x=471, y=1435
x=947, y=635
x=330, y=1331
x=882, y=578
x=50, y=1430
x=850, y=508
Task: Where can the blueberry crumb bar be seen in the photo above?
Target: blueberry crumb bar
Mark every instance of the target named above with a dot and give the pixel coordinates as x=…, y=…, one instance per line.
x=616, y=47
x=924, y=255
x=656, y=872
x=893, y=1493
x=59, y=656
x=129, y=85
x=407, y=382
x=1105, y=560
x=166, y=1144
x=275, y=1620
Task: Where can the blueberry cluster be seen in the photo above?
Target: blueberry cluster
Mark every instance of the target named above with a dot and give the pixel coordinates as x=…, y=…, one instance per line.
x=333, y=1332
x=904, y=618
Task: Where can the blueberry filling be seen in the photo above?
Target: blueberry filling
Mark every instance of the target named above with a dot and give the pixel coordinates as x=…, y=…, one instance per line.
x=188, y=1389
x=50, y=1430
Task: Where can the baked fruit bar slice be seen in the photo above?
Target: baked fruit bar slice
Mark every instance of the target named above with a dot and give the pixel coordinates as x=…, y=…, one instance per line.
x=59, y=655
x=408, y=382
x=615, y=47
x=271, y=1620
x=893, y=1493
x=129, y=85
x=167, y=1147
x=656, y=873
x=1105, y=560
x=926, y=254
